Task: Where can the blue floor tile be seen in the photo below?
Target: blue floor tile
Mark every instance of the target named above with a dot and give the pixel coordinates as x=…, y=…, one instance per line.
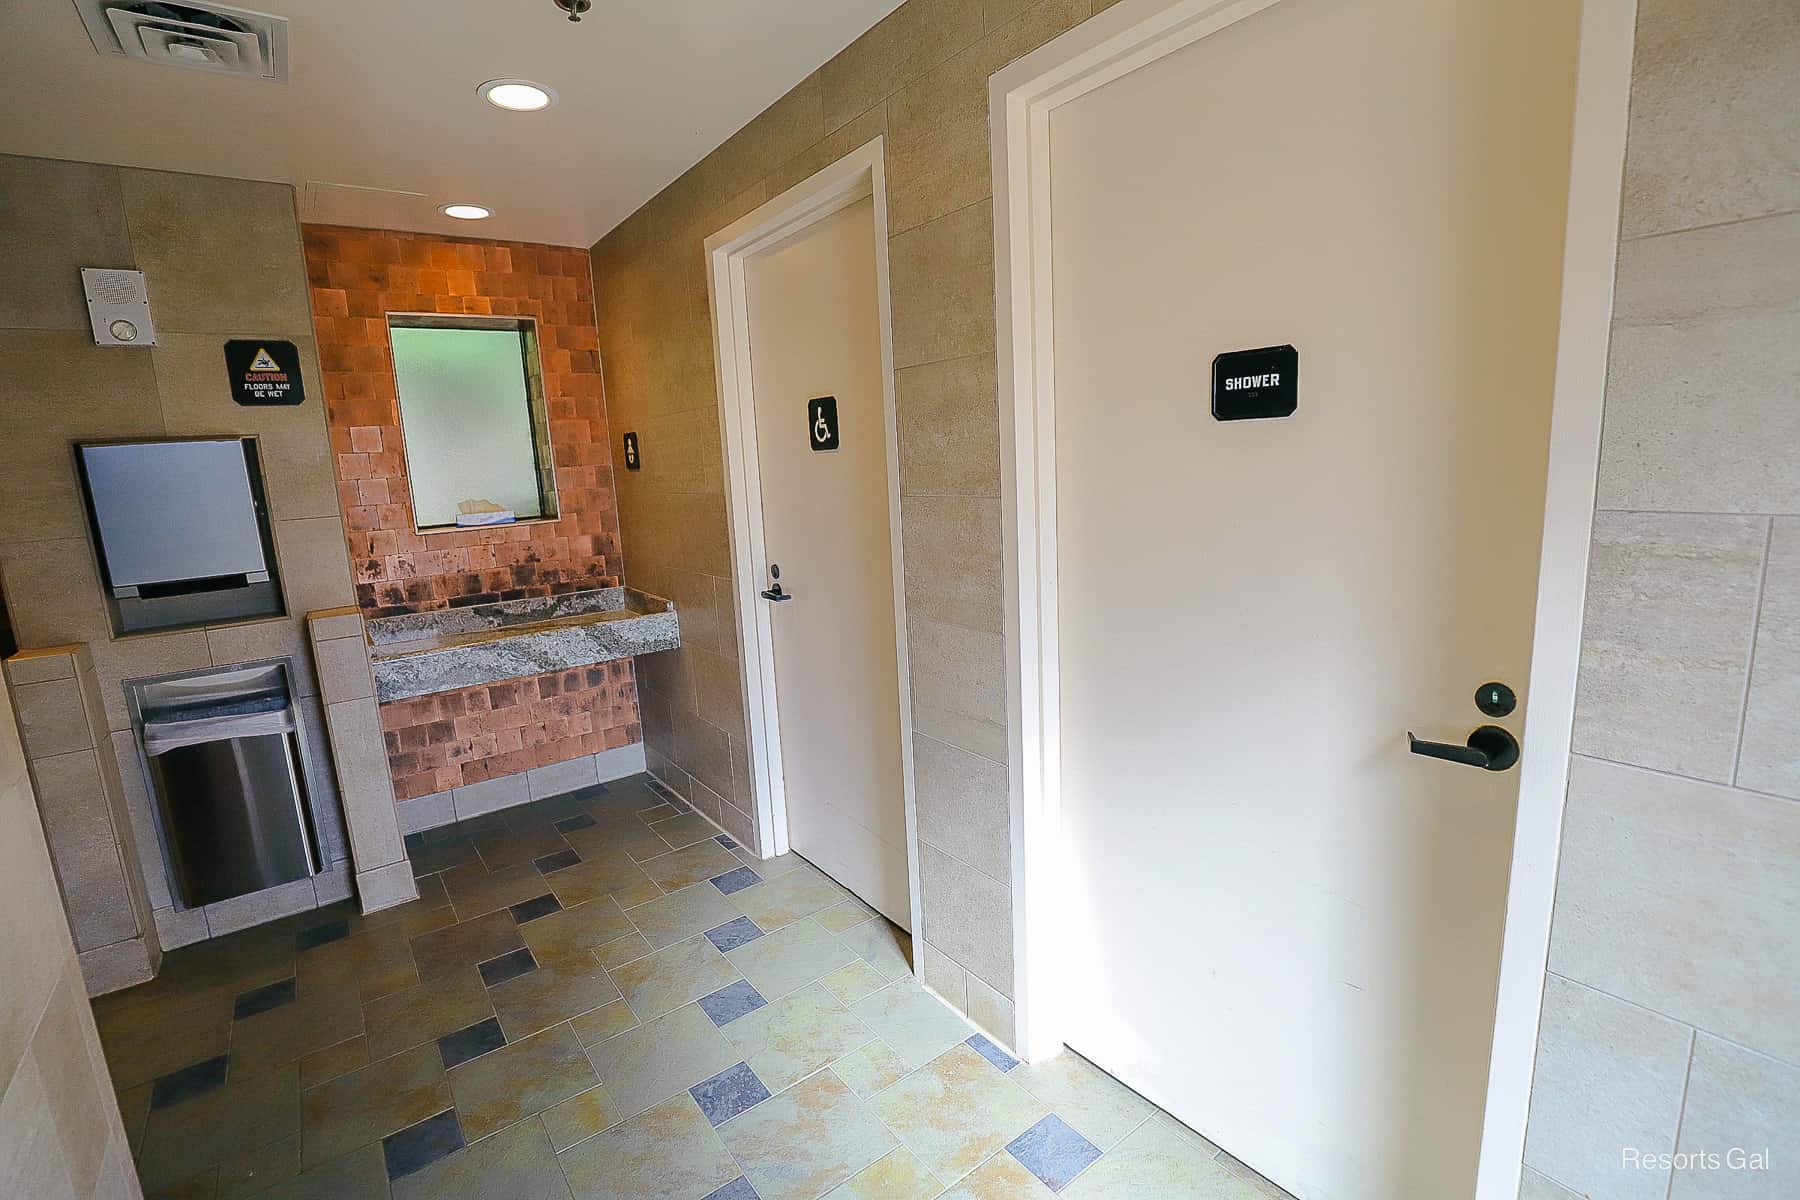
x=531, y=910
x=459, y=1047
x=318, y=935
x=728, y=1093
x=731, y=1002
x=496, y=971
x=190, y=1081
x=1053, y=1152
x=551, y=863
x=994, y=1054
x=418, y=1146
x=737, y=1189
x=262, y=999
x=571, y=824
x=736, y=881
x=733, y=934
x=726, y=841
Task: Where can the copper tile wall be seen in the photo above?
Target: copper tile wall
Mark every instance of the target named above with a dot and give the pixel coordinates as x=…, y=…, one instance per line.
x=357, y=277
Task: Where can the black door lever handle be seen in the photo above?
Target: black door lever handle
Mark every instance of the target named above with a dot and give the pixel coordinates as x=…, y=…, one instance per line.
x=1490, y=747
x=775, y=593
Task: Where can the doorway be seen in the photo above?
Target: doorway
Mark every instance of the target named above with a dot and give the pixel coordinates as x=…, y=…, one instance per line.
x=801, y=312
x=1306, y=586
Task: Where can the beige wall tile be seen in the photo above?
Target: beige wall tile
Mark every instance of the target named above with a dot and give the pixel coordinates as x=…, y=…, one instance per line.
x=79, y=829
x=141, y=657
x=963, y=805
x=958, y=686
x=854, y=133
x=1770, y=758
x=968, y=916
x=60, y=388
x=29, y=666
x=943, y=974
x=1664, y=887
x=385, y=887
x=1738, y=1099
x=241, y=912
x=343, y=665
x=993, y=1012
x=1705, y=362
x=293, y=446
x=256, y=641
x=53, y=592
x=141, y=819
x=718, y=690
x=902, y=46
x=941, y=275
x=1609, y=1075
x=315, y=565
x=939, y=155
x=952, y=560
x=1666, y=639
x=557, y=778
x=77, y=1099
x=56, y=218
x=1713, y=93
x=949, y=428
x=703, y=750
x=33, y=1152
x=52, y=719
x=34, y=936
x=363, y=784
x=238, y=268
x=681, y=450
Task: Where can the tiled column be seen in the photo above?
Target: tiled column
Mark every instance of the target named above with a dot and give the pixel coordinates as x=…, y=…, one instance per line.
x=347, y=689
x=82, y=801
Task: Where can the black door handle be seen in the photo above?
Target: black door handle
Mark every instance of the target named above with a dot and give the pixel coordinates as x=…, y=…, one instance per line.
x=775, y=593
x=1490, y=747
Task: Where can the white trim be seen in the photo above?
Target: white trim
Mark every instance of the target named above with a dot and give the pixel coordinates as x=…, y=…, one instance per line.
x=859, y=174
x=1021, y=97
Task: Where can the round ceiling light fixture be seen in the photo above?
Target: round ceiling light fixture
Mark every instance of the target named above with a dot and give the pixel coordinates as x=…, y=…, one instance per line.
x=466, y=212
x=517, y=95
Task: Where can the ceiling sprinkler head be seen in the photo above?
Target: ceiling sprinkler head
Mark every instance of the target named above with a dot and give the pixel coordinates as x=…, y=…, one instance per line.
x=574, y=7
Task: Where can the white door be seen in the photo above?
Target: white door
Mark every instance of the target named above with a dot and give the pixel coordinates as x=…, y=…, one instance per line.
x=814, y=320
x=1283, y=926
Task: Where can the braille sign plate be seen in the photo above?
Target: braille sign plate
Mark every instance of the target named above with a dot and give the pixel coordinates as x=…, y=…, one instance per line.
x=633, y=460
x=1248, y=384
x=264, y=372
x=822, y=423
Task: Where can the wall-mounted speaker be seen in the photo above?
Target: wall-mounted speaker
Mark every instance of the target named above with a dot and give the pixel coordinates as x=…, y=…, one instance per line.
x=118, y=306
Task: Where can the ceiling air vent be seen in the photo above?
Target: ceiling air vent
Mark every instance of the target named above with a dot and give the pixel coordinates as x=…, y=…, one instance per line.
x=211, y=37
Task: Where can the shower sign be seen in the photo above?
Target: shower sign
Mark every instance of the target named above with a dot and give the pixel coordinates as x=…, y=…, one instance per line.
x=1252, y=384
x=822, y=423
x=264, y=372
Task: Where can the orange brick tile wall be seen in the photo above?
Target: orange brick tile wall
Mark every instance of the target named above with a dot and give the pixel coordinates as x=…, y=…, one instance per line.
x=357, y=277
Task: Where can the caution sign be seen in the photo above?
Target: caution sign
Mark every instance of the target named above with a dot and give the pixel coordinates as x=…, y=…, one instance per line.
x=264, y=372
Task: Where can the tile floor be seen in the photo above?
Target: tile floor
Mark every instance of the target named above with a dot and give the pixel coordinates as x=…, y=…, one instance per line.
x=599, y=996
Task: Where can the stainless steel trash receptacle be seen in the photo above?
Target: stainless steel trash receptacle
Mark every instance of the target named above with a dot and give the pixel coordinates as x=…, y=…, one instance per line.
x=229, y=789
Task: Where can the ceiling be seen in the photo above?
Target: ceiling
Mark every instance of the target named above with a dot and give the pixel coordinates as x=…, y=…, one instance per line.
x=382, y=96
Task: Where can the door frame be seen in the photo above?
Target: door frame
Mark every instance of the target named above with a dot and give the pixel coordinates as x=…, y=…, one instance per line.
x=1121, y=39
x=860, y=174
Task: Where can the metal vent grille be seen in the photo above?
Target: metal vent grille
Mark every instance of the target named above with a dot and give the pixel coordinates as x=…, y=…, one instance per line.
x=197, y=37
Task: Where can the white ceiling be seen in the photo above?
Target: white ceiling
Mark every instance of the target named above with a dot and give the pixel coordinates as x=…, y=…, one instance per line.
x=382, y=95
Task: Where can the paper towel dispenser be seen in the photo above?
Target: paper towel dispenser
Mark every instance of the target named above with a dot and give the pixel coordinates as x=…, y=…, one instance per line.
x=181, y=531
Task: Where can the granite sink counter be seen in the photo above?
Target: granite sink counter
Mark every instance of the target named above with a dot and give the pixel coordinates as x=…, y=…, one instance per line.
x=415, y=654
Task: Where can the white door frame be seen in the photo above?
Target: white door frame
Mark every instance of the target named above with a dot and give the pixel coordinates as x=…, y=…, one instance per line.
x=859, y=175
x=1119, y=40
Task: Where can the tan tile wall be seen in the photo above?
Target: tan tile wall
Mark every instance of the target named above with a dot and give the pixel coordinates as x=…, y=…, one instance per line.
x=60, y=1133
x=222, y=259
x=919, y=78
x=1672, y=1015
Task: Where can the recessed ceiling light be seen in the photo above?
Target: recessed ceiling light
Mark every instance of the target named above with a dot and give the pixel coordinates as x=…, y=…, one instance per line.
x=517, y=95
x=466, y=212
